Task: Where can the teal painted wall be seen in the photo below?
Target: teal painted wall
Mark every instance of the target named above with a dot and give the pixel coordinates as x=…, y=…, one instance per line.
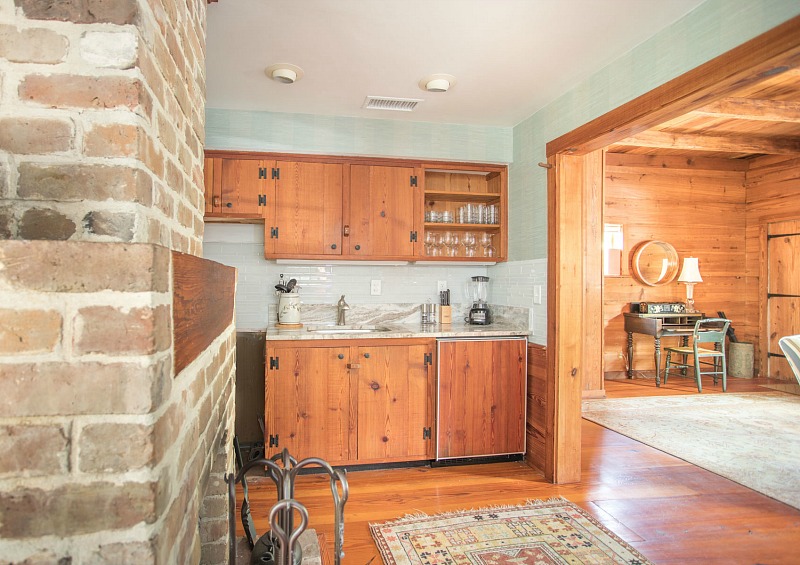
x=307, y=133
x=714, y=27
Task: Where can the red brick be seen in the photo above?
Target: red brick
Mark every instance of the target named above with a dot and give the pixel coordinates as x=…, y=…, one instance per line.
x=76, y=266
x=55, y=389
x=113, y=447
x=111, y=330
x=29, y=331
x=34, y=450
x=76, y=91
x=35, y=45
x=112, y=140
x=45, y=223
x=81, y=11
x=26, y=136
x=75, y=508
x=78, y=183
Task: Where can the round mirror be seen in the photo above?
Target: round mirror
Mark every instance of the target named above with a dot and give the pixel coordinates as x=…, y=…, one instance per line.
x=654, y=263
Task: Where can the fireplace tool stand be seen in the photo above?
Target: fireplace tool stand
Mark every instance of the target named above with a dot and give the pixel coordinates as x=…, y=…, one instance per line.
x=279, y=545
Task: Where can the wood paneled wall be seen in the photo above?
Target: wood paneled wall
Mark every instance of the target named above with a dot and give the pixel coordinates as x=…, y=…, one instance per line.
x=697, y=205
x=536, y=407
x=773, y=195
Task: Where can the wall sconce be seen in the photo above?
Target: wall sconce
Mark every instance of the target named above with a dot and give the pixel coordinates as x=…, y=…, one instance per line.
x=690, y=275
x=612, y=250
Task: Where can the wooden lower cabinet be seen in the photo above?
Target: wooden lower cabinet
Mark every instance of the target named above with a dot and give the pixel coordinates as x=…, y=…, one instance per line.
x=351, y=401
x=481, y=397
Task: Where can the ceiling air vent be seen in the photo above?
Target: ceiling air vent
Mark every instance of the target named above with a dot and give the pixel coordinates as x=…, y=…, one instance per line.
x=387, y=103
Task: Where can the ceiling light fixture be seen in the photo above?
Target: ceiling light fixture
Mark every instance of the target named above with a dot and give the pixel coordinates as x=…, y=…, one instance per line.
x=437, y=83
x=284, y=72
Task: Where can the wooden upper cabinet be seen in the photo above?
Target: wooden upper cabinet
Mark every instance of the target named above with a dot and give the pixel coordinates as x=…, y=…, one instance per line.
x=481, y=397
x=245, y=186
x=395, y=392
x=307, y=402
x=305, y=207
x=382, y=211
x=212, y=181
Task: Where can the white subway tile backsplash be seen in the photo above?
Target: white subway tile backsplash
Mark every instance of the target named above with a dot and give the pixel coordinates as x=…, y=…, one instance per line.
x=321, y=284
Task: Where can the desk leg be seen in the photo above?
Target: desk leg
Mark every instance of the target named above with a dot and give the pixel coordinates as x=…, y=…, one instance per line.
x=630, y=355
x=657, y=342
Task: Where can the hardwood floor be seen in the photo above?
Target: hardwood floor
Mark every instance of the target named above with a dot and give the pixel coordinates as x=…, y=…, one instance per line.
x=671, y=511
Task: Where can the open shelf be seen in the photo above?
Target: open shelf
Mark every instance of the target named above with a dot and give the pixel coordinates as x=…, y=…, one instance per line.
x=484, y=197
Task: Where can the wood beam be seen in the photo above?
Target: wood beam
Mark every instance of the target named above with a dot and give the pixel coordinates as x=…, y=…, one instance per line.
x=773, y=52
x=720, y=143
x=753, y=109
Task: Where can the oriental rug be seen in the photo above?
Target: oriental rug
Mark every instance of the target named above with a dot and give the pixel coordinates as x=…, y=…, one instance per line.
x=749, y=438
x=539, y=532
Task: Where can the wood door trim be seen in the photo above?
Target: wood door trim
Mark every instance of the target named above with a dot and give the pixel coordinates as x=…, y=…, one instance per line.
x=750, y=61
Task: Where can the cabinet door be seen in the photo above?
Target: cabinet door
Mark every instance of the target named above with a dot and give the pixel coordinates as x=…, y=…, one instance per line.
x=481, y=398
x=212, y=180
x=382, y=210
x=307, y=402
x=307, y=205
x=394, y=402
x=245, y=186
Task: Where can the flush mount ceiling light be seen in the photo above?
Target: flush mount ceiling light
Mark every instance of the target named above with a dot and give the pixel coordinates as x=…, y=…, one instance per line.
x=437, y=83
x=284, y=72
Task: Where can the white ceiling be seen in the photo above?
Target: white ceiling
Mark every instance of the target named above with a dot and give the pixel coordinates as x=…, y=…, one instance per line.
x=510, y=57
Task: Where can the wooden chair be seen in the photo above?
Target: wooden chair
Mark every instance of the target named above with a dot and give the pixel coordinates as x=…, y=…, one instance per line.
x=706, y=331
x=790, y=345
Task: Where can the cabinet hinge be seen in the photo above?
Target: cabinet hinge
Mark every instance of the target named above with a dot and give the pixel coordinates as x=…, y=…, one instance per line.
x=428, y=359
x=274, y=362
x=262, y=172
x=426, y=433
x=276, y=173
x=262, y=199
x=273, y=440
x=413, y=180
x=412, y=236
x=273, y=233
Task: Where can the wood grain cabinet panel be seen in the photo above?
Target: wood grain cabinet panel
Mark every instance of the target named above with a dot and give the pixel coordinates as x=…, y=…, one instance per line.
x=307, y=402
x=306, y=210
x=245, y=184
x=212, y=184
x=382, y=211
x=481, y=397
x=394, y=388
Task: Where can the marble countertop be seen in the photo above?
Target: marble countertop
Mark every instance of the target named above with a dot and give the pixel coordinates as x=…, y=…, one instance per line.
x=397, y=330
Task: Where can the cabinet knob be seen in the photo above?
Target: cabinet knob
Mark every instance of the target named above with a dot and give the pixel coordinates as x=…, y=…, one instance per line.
x=358, y=247
x=229, y=205
x=341, y=356
x=333, y=246
x=366, y=355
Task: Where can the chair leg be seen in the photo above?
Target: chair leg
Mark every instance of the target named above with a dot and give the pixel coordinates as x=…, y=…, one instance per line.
x=697, y=374
x=724, y=375
x=666, y=369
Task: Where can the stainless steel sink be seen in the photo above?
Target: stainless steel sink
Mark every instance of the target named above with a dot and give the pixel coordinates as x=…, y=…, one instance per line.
x=355, y=329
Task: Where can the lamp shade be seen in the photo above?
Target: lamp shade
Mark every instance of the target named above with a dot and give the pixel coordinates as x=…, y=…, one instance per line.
x=690, y=273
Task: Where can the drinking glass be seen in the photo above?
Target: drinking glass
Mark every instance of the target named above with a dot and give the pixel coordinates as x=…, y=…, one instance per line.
x=489, y=250
x=454, y=245
x=469, y=243
x=447, y=242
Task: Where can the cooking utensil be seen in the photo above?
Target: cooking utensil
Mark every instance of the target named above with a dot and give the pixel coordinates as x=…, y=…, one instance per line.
x=291, y=284
x=280, y=287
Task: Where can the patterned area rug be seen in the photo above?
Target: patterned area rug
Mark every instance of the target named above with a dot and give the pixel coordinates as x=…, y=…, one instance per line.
x=749, y=438
x=537, y=533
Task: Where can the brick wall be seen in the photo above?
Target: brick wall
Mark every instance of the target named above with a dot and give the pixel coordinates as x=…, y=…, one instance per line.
x=108, y=453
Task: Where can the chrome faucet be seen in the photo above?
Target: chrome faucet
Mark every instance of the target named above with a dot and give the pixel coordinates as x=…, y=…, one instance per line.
x=341, y=306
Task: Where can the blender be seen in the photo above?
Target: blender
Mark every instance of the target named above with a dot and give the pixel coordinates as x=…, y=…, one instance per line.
x=478, y=291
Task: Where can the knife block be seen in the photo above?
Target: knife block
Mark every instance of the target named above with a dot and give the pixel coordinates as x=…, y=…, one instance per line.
x=445, y=315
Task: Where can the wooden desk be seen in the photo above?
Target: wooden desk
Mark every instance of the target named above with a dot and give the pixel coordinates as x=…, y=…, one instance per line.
x=658, y=326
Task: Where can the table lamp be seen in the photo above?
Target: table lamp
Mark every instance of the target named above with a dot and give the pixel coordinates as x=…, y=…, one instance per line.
x=690, y=275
